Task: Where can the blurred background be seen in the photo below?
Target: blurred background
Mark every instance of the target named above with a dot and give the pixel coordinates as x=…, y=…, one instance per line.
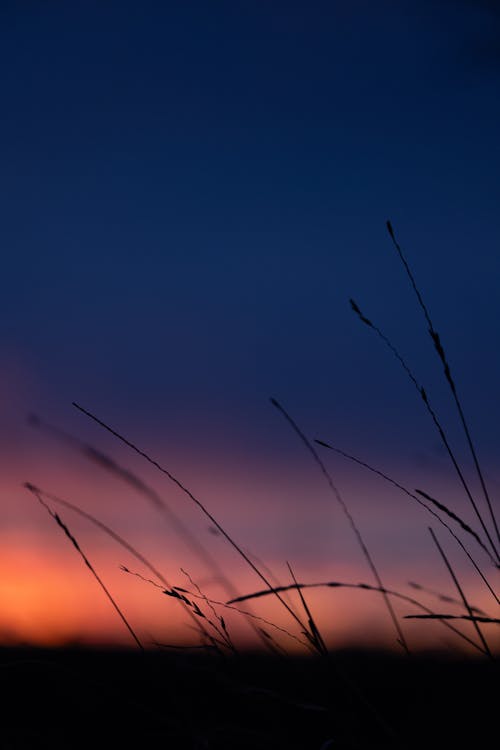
x=191, y=193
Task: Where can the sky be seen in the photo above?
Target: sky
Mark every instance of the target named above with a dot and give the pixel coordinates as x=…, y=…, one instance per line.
x=190, y=195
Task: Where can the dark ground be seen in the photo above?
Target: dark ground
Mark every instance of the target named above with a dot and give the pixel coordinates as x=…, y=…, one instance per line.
x=79, y=698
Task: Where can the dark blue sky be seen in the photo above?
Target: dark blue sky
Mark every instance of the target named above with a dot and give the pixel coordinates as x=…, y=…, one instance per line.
x=191, y=192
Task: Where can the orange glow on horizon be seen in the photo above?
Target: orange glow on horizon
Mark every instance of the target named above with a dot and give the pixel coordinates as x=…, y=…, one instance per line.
x=49, y=597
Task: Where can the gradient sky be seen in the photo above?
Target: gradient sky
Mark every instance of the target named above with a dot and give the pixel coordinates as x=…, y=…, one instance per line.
x=191, y=192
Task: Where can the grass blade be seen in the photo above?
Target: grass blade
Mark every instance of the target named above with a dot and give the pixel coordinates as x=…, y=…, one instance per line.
x=442, y=434
x=443, y=597
x=460, y=591
x=196, y=502
x=407, y=492
x=474, y=618
x=85, y=559
x=183, y=532
x=400, y=636
x=121, y=541
x=438, y=346
x=363, y=587
x=314, y=632
x=226, y=605
x=447, y=511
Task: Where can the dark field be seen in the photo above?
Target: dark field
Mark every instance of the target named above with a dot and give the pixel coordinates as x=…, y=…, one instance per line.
x=88, y=698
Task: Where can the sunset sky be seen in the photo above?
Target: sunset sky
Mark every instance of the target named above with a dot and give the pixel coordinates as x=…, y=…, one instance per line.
x=191, y=193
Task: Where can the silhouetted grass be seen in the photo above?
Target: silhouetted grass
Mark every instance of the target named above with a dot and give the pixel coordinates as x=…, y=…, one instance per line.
x=117, y=538
x=85, y=559
x=313, y=634
x=400, y=636
x=345, y=703
x=183, y=531
x=438, y=346
x=362, y=586
x=472, y=618
x=442, y=434
x=417, y=499
x=451, y=514
x=198, y=504
x=442, y=597
x=460, y=591
x=173, y=590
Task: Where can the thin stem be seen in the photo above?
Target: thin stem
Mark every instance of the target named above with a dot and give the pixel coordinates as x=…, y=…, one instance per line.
x=226, y=605
x=197, y=502
x=423, y=395
x=462, y=595
x=122, y=542
x=313, y=632
x=85, y=559
x=447, y=372
x=400, y=636
x=130, y=478
x=364, y=587
x=421, y=503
